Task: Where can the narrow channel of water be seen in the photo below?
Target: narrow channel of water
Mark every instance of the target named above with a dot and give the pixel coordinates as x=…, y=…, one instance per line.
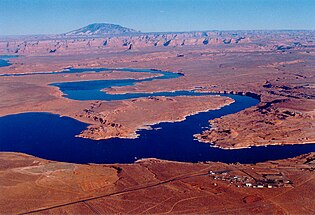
x=52, y=137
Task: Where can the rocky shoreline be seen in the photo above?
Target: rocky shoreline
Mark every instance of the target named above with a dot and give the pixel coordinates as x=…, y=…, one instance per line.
x=144, y=112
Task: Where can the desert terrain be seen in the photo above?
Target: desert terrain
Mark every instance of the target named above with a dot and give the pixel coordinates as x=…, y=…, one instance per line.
x=33, y=186
x=276, y=67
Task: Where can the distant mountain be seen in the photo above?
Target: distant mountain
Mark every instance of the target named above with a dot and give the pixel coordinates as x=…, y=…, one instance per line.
x=101, y=29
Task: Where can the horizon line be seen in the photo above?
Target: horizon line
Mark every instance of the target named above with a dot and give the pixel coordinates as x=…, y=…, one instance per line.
x=150, y=32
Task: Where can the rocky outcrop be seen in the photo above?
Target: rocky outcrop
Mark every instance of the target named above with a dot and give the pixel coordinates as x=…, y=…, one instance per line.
x=132, y=115
x=270, y=123
x=103, y=37
x=284, y=48
x=102, y=126
x=84, y=40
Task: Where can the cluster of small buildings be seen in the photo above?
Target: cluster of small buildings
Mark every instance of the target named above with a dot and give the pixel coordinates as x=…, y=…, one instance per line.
x=265, y=181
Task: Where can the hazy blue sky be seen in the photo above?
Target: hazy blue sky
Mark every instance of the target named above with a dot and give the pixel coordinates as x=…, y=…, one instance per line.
x=59, y=16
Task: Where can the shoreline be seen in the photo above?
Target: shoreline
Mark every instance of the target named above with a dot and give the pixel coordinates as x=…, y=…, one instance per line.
x=253, y=146
x=148, y=126
x=132, y=133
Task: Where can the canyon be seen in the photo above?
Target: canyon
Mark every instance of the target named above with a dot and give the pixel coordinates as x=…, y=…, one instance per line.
x=274, y=67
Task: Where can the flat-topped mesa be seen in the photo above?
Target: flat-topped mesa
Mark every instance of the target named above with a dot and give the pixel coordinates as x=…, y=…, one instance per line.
x=101, y=29
x=102, y=37
x=93, y=39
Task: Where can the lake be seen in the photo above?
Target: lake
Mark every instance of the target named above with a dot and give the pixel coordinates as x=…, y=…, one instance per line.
x=52, y=137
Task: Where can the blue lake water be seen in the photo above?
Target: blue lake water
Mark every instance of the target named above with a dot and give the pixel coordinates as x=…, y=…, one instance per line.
x=4, y=63
x=4, y=60
x=52, y=137
x=165, y=74
x=91, y=90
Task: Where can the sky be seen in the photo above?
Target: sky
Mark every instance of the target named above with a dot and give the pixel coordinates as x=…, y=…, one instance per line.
x=23, y=17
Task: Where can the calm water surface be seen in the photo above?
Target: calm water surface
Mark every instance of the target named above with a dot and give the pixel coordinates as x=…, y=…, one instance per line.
x=52, y=137
x=4, y=60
